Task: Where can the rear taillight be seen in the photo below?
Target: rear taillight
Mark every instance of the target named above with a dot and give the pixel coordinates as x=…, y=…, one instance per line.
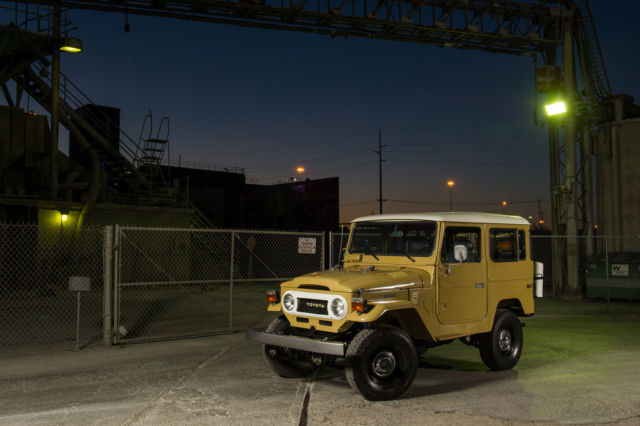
x=272, y=296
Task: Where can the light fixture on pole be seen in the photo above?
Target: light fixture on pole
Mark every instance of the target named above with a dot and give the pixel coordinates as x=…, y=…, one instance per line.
x=451, y=183
x=71, y=45
x=555, y=108
x=300, y=170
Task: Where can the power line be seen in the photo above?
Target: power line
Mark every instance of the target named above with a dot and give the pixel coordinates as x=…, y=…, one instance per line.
x=317, y=160
x=468, y=141
x=474, y=163
x=438, y=151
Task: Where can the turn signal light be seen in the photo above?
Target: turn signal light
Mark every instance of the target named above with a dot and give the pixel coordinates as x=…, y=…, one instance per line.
x=358, y=304
x=272, y=296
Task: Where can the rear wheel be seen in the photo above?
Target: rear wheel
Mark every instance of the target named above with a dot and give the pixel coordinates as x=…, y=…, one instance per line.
x=500, y=349
x=381, y=363
x=286, y=362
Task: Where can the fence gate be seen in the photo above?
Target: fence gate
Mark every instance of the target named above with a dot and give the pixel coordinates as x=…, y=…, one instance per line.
x=172, y=283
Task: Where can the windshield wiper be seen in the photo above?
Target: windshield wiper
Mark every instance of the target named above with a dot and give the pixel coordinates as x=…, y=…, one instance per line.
x=369, y=251
x=410, y=258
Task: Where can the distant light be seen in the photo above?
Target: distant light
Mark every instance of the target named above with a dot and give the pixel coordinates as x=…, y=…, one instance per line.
x=71, y=45
x=595, y=226
x=556, y=108
x=504, y=203
x=64, y=217
x=300, y=170
x=451, y=183
x=541, y=221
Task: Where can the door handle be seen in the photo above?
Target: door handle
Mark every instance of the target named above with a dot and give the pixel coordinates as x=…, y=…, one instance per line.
x=480, y=285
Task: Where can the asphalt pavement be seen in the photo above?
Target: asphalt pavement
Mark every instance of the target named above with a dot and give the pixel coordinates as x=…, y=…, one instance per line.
x=580, y=365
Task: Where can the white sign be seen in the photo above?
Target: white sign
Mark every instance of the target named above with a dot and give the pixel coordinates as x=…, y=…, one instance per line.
x=306, y=245
x=620, y=270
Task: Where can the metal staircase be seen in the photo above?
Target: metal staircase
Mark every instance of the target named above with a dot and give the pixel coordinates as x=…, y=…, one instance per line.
x=595, y=73
x=121, y=162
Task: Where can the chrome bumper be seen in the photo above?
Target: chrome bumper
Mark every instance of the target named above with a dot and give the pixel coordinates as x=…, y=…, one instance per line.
x=295, y=342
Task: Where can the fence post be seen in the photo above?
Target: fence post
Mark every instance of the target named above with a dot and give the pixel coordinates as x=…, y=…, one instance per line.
x=330, y=249
x=233, y=239
x=107, y=268
x=606, y=274
x=116, y=282
x=322, y=265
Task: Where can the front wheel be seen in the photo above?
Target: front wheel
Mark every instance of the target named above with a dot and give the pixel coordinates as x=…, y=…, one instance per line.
x=381, y=363
x=286, y=362
x=500, y=349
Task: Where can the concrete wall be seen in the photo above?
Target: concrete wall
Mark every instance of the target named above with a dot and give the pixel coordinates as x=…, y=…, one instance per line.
x=617, y=150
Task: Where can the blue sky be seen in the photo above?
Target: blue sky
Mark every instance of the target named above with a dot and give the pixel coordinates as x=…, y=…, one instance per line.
x=270, y=100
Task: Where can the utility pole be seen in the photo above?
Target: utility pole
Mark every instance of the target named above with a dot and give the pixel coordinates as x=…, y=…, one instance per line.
x=55, y=96
x=570, y=185
x=380, y=160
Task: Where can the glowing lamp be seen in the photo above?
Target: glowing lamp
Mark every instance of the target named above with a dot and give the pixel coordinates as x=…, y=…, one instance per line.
x=71, y=45
x=555, y=108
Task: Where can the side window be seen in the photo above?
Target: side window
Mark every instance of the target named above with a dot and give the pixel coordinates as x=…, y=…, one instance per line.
x=470, y=237
x=522, y=245
x=503, y=245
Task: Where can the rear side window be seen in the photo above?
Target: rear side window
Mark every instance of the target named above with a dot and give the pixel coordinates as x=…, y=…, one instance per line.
x=522, y=245
x=503, y=245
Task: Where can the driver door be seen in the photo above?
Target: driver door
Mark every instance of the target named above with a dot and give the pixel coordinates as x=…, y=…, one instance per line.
x=462, y=286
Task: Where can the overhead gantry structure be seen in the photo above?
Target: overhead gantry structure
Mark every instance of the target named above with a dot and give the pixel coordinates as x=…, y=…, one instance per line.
x=560, y=32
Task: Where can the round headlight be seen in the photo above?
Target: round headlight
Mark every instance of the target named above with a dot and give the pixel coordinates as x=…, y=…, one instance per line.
x=338, y=308
x=288, y=301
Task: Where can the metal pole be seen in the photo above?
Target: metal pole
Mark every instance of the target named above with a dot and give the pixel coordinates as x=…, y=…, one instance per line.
x=232, y=260
x=451, y=199
x=379, y=152
x=107, y=275
x=116, y=283
x=556, y=242
x=587, y=189
x=78, y=324
x=330, y=249
x=570, y=161
x=55, y=96
x=322, y=266
x=606, y=275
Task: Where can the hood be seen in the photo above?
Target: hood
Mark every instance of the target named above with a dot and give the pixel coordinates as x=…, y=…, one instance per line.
x=368, y=278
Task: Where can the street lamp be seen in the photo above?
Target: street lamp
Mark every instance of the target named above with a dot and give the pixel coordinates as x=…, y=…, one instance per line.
x=300, y=170
x=451, y=183
x=504, y=206
x=71, y=45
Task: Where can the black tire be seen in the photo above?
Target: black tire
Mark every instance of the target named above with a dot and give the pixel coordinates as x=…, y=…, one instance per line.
x=500, y=349
x=283, y=361
x=381, y=363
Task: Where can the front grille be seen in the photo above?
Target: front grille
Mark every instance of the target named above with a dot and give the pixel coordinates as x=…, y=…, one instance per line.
x=312, y=306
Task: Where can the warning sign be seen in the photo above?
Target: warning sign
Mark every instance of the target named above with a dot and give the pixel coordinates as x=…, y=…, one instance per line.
x=306, y=245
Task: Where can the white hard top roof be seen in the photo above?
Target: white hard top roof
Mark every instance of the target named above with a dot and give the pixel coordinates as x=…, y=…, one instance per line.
x=466, y=217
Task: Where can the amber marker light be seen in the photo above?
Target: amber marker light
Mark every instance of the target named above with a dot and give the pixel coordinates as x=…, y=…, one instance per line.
x=358, y=304
x=272, y=296
x=450, y=183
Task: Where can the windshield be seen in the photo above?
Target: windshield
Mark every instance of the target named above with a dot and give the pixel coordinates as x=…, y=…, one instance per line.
x=414, y=238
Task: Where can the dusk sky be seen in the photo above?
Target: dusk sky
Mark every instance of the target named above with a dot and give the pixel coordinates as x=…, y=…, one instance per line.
x=269, y=101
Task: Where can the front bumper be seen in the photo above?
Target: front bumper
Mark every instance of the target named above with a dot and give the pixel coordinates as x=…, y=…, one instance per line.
x=294, y=342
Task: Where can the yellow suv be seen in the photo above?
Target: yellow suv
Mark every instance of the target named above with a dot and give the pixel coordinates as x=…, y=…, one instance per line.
x=408, y=282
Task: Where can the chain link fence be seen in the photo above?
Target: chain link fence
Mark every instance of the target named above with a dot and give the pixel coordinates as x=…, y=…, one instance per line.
x=36, y=306
x=337, y=242
x=171, y=283
x=186, y=282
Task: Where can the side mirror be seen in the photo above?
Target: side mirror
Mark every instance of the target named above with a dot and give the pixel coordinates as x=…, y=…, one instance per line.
x=460, y=252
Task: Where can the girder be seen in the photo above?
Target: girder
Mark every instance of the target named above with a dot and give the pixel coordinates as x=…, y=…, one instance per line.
x=514, y=27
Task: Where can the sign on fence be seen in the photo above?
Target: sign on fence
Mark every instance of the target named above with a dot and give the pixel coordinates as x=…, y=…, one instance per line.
x=306, y=246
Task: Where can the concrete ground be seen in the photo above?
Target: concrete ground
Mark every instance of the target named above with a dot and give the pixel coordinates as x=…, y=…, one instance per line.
x=580, y=364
